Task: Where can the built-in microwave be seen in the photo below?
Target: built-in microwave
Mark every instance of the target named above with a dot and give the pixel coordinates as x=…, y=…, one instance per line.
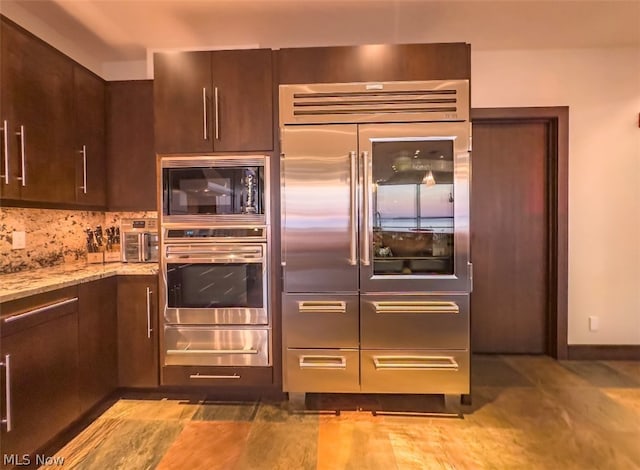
x=214, y=189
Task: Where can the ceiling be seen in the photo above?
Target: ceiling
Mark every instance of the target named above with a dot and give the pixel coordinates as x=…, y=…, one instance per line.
x=121, y=31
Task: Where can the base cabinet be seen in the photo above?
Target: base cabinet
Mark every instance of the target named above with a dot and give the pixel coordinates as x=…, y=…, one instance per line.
x=39, y=352
x=138, y=331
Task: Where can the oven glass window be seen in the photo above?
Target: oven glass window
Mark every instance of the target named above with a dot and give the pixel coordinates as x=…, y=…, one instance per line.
x=223, y=285
x=213, y=191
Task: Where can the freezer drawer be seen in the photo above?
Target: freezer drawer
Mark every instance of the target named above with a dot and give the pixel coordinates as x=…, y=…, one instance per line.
x=210, y=346
x=414, y=322
x=320, y=321
x=415, y=371
x=322, y=370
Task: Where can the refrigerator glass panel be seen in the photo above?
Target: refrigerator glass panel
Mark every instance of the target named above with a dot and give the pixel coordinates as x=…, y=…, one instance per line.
x=413, y=210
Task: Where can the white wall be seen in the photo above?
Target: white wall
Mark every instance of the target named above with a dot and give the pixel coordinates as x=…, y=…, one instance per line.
x=602, y=89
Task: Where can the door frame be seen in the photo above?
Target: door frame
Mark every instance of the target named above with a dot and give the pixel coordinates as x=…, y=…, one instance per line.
x=556, y=119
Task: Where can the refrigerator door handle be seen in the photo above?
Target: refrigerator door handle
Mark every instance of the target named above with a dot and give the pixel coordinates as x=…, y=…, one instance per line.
x=365, y=259
x=353, y=243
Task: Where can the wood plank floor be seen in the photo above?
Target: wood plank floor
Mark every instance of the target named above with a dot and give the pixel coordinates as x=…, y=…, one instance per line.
x=528, y=412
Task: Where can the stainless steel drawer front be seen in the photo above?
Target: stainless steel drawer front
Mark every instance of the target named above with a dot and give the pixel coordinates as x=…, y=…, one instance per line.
x=216, y=346
x=322, y=370
x=415, y=322
x=415, y=371
x=320, y=321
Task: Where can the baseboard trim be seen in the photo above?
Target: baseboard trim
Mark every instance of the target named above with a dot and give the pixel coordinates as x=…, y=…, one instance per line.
x=604, y=352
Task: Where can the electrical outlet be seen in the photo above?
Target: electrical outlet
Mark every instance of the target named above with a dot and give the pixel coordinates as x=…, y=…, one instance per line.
x=594, y=323
x=19, y=240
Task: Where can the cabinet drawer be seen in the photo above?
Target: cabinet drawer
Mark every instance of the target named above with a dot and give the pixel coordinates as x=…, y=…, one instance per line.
x=415, y=322
x=415, y=371
x=207, y=346
x=320, y=321
x=322, y=370
x=217, y=376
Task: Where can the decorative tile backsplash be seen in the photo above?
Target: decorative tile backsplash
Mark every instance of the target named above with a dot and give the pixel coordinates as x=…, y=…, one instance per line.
x=52, y=236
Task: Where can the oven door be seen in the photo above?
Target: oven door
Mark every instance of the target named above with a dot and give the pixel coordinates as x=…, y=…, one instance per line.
x=215, y=284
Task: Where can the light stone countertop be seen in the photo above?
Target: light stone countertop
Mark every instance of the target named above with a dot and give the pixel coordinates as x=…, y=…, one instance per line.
x=25, y=283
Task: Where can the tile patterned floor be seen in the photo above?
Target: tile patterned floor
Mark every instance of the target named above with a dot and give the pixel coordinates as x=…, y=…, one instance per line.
x=528, y=412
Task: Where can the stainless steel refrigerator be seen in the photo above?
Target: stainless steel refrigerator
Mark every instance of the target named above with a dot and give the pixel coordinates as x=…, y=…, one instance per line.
x=375, y=182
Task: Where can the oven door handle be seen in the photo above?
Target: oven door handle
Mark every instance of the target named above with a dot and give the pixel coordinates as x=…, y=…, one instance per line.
x=212, y=260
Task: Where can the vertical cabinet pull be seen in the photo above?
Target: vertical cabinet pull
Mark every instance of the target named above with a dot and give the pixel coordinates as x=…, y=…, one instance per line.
x=354, y=208
x=205, y=120
x=23, y=156
x=366, y=261
x=5, y=145
x=84, y=169
x=149, y=330
x=216, y=103
x=7, y=390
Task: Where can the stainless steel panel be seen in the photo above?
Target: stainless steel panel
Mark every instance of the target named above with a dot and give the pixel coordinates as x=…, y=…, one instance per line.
x=216, y=316
x=408, y=101
x=415, y=371
x=316, y=208
x=322, y=370
x=320, y=321
x=437, y=321
x=209, y=346
x=402, y=282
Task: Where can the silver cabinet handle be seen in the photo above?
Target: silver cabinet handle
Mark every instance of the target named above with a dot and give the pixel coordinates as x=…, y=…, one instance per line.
x=212, y=351
x=216, y=102
x=35, y=311
x=354, y=209
x=366, y=261
x=84, y=169
x=416, y=307
x=149, y=330
x=7, y=390
x=23, y=156
x=205, y=121
x=198, y=376
x=415, y=362
x=322, y=362
x=5, y=132
x=320, y=306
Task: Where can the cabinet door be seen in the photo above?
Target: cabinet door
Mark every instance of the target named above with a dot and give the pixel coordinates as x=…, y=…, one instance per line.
x=138, y=331
x=182, y=97
x=89, y=104
x=131, y=163
x=242, y=117
x=43, y=377
x=37, y=83
x=98, y=341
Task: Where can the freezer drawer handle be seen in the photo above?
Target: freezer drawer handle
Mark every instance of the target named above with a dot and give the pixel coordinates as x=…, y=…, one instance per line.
x=415, y=362
x=323, y=362
x=212, y=351
x=35, y=311
x=198, y=376
x=416, y=307
x=319, y=306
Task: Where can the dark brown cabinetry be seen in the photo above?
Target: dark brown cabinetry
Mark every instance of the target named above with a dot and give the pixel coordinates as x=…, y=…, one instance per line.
x=218, y=101
x=98, y=341
x=89, y=111
x=37, y=118
x=39, y=352
x=388, y=62
x=131, y=168
x=138, y=331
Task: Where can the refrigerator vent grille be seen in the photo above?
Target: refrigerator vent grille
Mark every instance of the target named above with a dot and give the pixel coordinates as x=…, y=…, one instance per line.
x=375, y=102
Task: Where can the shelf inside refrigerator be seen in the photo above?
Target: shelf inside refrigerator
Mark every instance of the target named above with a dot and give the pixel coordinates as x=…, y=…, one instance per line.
x=413, y=265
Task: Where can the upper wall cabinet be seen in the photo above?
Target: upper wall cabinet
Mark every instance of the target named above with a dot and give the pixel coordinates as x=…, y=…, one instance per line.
x=380, y=62
x=52, y=121
x=38, y=163
x=218, y=101
x=89, y=103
